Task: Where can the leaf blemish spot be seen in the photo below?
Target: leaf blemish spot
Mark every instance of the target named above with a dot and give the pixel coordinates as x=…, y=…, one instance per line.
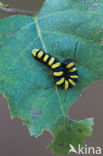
x=35, y=113
x=69, y=129
x=80, y=130
x=14, y=31
x=95, y=4
x=70, y=121
x=9, y=70
x=82, y=94
x=55, y=44
x=60, y=145
x=3, y=36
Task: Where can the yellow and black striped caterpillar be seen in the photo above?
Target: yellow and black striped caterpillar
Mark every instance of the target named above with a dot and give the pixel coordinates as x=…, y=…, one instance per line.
x=65, y=74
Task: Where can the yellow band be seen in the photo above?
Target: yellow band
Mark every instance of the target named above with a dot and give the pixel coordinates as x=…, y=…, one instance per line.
x=56, y=65
x=72, y=82
x=74, y=76
x=74, y=69
x=70, y=65
x=58, y=73
x=51, y=61
x=45, y=58
x=66, y=84
x=40, y=54
x=60, y=81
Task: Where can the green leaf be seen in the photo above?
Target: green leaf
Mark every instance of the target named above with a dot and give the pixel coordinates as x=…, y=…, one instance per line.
x=28, y=85
x=65, y=134
x=2, y=5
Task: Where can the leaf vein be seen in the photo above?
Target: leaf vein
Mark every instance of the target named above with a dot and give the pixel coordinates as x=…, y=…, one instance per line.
x=39, y=33
x=69, y=11
x=76, y=36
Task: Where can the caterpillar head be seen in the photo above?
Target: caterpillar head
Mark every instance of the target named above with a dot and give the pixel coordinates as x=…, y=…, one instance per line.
x=34, y=51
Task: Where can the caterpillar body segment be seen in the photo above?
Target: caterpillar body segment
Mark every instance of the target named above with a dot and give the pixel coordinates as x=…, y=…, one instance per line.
x=45, y=58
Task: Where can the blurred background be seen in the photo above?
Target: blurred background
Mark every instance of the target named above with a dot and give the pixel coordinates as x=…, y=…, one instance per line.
x=15, y=139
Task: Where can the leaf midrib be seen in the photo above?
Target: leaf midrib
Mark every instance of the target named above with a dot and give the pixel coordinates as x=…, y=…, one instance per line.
x=57, y=93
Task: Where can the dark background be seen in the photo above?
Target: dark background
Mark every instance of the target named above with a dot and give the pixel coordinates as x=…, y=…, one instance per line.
x=15, y=139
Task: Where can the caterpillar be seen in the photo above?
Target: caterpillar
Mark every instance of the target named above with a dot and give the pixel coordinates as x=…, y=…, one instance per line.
x=65, y=74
